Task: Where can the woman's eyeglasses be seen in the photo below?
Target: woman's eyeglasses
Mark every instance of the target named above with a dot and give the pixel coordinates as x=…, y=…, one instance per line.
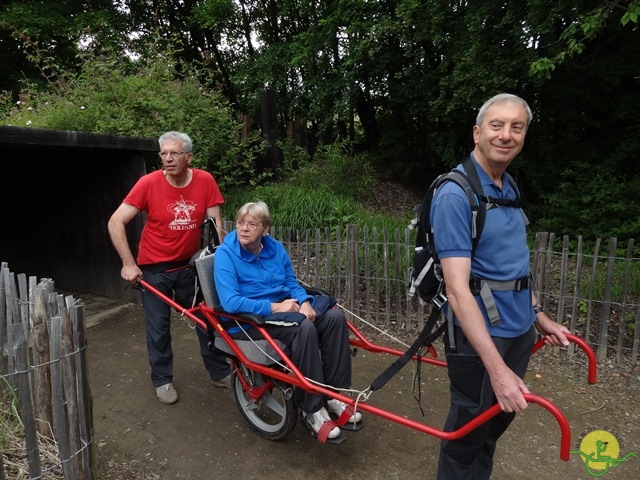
x=249, y=225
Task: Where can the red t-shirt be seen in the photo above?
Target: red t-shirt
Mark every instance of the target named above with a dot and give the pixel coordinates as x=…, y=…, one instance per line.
x=174, y=215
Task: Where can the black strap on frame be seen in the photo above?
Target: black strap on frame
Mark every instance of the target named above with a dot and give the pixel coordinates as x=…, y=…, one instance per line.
x=426, y=337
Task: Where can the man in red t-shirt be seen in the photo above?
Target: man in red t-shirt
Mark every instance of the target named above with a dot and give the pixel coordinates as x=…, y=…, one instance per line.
x=176, y=200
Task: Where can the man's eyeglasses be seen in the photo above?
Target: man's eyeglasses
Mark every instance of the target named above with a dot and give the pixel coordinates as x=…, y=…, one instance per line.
x=249, y=225
x=172, y=155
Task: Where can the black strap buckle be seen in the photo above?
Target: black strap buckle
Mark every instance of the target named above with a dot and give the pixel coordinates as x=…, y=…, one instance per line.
x=439, y=300
x=522, y=283
x=475, y=284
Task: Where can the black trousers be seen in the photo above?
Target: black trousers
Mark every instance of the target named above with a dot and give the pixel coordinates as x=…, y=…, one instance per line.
x=471, y=457
x=321, y=351
x=180, y=285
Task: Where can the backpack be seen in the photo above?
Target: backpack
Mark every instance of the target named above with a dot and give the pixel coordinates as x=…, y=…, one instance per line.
x=425, y=274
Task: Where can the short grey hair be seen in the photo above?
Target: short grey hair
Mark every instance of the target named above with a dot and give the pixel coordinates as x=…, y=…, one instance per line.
x=187, y=144
x=504, y=98
x=258, y=210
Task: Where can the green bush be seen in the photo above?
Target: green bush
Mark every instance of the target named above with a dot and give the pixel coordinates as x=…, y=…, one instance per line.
x=145, y=98
x=593, y=203
x=330, y=190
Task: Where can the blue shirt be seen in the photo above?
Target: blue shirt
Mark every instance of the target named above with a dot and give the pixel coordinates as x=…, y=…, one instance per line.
x=501, y=254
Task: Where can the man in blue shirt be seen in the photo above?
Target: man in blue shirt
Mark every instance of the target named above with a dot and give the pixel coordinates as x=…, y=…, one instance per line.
x=491, y=352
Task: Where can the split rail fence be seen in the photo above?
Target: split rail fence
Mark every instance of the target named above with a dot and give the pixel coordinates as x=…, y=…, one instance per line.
x=42, y=334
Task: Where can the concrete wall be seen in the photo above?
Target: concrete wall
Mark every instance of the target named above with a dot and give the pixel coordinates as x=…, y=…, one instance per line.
x=59, y=189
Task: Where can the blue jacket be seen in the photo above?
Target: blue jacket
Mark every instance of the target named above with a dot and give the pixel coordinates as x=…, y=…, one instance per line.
x=247, y=283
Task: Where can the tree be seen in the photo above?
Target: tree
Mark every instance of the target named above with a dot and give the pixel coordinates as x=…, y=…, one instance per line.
x=41, y=40
x=147, y=98
x=399, y=79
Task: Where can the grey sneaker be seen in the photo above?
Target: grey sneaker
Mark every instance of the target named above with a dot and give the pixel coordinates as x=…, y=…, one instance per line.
x=224, y=382
x=167, y=394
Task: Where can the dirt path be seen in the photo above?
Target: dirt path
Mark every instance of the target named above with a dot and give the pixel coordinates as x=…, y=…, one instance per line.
x=203, y=436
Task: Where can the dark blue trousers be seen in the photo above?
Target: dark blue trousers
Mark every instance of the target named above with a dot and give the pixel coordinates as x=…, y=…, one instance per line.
x=471, y=457
x=180, y=285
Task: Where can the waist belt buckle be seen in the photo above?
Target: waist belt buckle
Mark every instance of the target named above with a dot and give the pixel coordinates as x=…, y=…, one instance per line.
x=522, y=284
x=475, y=284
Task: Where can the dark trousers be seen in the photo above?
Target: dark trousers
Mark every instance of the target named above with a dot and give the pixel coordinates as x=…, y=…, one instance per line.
x=321, y=351
x=179, y=285
x=471, y=457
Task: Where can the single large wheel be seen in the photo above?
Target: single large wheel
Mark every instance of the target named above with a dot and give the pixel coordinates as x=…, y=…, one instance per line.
x=274, y=414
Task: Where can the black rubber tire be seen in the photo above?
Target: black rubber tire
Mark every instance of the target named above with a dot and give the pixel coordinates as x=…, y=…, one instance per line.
x=274, y=415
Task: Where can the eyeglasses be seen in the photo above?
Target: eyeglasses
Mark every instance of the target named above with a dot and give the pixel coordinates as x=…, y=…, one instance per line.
x=172, y=155
x=249, y=225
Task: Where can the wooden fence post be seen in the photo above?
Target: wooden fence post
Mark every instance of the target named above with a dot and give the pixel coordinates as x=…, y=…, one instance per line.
x=85, y=409
x=23, y=387
x=606, y=304
x=41, y=357
x=3, y=318
x=576, y=294
x=352, y=275
x=592, y=279
x=538, y=269
x=60, y=418
x=625, y=296
x=70, y=388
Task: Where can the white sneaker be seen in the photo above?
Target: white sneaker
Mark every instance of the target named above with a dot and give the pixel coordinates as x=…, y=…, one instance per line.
x=167, y=394
x=317, y=419
x=337, y=407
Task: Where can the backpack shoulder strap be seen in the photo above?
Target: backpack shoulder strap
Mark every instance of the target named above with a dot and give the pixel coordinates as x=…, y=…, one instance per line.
x=469, y=181
x=518, y=203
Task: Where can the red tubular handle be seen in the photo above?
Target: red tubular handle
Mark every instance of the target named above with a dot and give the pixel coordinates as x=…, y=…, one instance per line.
x=189, y=312
x=584, y=345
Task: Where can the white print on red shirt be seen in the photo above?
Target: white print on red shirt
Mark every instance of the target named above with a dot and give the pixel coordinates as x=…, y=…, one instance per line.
x=181, y=210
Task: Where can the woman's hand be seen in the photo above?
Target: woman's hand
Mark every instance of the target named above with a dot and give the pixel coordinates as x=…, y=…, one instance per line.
x=288, y=305
x=307, y=310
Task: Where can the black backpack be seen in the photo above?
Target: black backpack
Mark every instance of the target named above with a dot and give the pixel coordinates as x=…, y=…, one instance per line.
x=425, y=276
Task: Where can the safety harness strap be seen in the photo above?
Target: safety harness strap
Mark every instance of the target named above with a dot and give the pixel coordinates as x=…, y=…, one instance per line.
x=484, y=288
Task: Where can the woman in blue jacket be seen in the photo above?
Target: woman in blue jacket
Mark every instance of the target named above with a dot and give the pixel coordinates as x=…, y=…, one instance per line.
x=253, y=274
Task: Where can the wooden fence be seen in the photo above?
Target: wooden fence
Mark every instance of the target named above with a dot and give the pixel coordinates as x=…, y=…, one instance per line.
x=596, y=294
x=42, y=334
x=43, y=362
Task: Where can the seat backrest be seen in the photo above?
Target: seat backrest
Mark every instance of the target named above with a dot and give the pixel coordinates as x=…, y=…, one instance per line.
x=204, y=270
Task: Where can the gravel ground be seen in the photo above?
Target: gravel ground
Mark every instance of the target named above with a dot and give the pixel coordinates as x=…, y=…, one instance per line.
x=204, y=436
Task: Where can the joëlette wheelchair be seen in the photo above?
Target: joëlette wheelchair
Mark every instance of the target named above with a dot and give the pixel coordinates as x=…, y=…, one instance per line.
x=264, y=376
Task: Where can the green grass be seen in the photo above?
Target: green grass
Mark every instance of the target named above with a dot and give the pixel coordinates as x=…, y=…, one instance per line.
x=11, y=426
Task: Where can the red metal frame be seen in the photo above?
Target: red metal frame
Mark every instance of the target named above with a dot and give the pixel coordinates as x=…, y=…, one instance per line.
x=295, y=378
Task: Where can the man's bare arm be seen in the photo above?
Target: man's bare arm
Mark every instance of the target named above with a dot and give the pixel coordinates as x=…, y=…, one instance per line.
x=118, y=232
x=507, y=386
